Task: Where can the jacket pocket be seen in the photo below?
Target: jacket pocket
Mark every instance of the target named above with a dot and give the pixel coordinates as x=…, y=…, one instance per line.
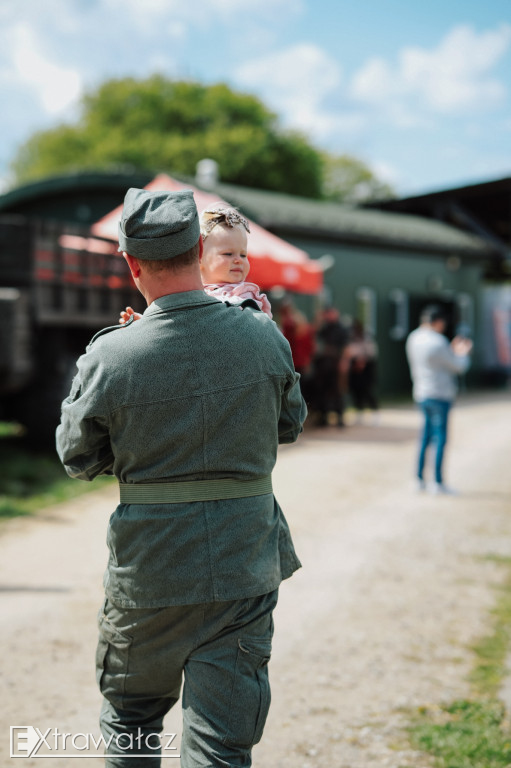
x=112, y=654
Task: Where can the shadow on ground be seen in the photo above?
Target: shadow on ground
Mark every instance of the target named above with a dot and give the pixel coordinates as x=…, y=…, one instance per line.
x=359, y=433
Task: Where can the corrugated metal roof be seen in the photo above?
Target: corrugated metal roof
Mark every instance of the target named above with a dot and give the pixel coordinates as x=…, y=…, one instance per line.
x=287, y=213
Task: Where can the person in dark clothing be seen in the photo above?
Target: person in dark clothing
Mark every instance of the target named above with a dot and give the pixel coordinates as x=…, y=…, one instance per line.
x=359, y=367
x=186, y=407
x=328, y=396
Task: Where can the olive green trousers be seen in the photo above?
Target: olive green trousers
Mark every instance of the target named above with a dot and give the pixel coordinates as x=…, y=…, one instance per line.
x=218, y=651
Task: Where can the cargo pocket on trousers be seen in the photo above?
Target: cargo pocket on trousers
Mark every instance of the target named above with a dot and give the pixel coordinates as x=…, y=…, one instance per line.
x=250, y=699
x=112, y=654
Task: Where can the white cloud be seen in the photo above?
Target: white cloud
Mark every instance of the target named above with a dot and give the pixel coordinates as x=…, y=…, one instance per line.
x=295, y=82
x=303, y=72
x=386, y=172
x=144, y=14
x=453, y=78
x=56, y=87
x=257, y=6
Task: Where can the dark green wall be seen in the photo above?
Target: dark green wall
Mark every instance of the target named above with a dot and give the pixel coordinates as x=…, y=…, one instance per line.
x=424, y=277
x=83, y=198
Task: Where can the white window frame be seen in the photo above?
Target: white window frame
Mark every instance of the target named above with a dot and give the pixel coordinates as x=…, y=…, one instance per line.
x=399, y=299
x=465, y=311
x=367, y=308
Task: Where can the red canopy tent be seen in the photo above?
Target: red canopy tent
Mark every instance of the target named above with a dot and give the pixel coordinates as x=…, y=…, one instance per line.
x=273, y=262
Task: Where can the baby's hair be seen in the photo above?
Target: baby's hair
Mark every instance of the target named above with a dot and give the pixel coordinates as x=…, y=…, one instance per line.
x=222, y=214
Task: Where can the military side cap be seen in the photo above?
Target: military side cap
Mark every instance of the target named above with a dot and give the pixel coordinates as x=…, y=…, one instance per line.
x=158, y=225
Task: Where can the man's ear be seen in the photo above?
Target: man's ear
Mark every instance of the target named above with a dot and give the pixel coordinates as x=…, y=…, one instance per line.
x=132, y=264
x=201, y=248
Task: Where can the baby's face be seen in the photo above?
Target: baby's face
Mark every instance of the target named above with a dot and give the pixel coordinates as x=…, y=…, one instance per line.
x=225, y=256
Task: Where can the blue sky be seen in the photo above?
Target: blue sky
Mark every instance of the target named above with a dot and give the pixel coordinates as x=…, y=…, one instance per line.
x=419, y=91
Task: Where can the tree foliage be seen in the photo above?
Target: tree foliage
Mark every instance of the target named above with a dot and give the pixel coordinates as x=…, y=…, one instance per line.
x=159, y=124
x=347, y=179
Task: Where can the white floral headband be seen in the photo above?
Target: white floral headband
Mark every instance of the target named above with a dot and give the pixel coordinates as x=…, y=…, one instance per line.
x=225, y=215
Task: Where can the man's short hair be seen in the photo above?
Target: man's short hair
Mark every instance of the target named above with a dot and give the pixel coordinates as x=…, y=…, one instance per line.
x=173, y=265
x=433, y=312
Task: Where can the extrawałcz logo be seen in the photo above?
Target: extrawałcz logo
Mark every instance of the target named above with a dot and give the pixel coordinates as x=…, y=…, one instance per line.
x=28, y=741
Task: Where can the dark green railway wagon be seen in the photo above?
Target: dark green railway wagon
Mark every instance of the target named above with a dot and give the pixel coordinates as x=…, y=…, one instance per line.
x=59, y=285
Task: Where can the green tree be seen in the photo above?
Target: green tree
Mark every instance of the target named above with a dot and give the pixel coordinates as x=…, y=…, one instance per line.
x=347, y=179
x=159, y=124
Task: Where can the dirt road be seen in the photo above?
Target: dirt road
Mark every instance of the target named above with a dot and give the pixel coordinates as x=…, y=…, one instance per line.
x=394, y=588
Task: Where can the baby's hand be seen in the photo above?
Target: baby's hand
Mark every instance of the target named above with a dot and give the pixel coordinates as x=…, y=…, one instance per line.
x=127, y=313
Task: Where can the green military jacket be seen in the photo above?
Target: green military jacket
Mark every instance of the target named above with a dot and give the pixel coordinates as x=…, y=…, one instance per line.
x=194, y=390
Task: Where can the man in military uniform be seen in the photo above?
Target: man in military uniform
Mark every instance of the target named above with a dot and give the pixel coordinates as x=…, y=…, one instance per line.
x=186, y=407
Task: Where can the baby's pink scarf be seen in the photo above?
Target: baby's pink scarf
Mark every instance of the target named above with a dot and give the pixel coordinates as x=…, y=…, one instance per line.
x=239, y=292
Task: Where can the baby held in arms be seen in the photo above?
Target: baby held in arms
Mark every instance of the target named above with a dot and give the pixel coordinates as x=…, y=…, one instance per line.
x=224, y=263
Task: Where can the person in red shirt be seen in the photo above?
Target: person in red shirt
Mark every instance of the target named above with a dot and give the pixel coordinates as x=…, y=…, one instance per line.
x=300, y=335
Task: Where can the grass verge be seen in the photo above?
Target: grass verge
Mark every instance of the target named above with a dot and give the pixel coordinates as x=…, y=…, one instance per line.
x=475, y=732
x=30, y=481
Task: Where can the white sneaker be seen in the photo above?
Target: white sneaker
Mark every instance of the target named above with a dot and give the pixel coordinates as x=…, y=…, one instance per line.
x=420, y=485
x=439, y=489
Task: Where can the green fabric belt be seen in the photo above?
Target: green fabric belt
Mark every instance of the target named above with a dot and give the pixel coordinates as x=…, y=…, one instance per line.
x=193, y=490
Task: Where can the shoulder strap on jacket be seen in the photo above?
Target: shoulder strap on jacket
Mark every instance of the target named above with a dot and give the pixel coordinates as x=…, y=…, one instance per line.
x=109, y=329
x=245, y=303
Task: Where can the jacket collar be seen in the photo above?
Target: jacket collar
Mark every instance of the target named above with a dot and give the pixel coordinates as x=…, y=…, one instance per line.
x=179, y=301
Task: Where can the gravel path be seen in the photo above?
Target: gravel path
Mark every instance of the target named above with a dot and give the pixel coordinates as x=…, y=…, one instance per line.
x=395, y=587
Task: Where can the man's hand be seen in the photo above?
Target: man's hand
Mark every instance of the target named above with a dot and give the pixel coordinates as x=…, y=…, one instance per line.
x=461, y=346
x=127, y=313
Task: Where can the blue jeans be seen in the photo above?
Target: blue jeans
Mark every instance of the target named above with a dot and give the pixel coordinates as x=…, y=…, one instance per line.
x=436, y=413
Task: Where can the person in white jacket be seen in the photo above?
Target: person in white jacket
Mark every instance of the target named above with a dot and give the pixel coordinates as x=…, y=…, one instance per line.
x=434, y=366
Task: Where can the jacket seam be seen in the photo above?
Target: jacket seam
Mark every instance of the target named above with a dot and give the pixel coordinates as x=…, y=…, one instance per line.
x=198, y=394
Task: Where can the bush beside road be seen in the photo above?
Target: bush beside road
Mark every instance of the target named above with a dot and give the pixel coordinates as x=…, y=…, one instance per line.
x=32, y=480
